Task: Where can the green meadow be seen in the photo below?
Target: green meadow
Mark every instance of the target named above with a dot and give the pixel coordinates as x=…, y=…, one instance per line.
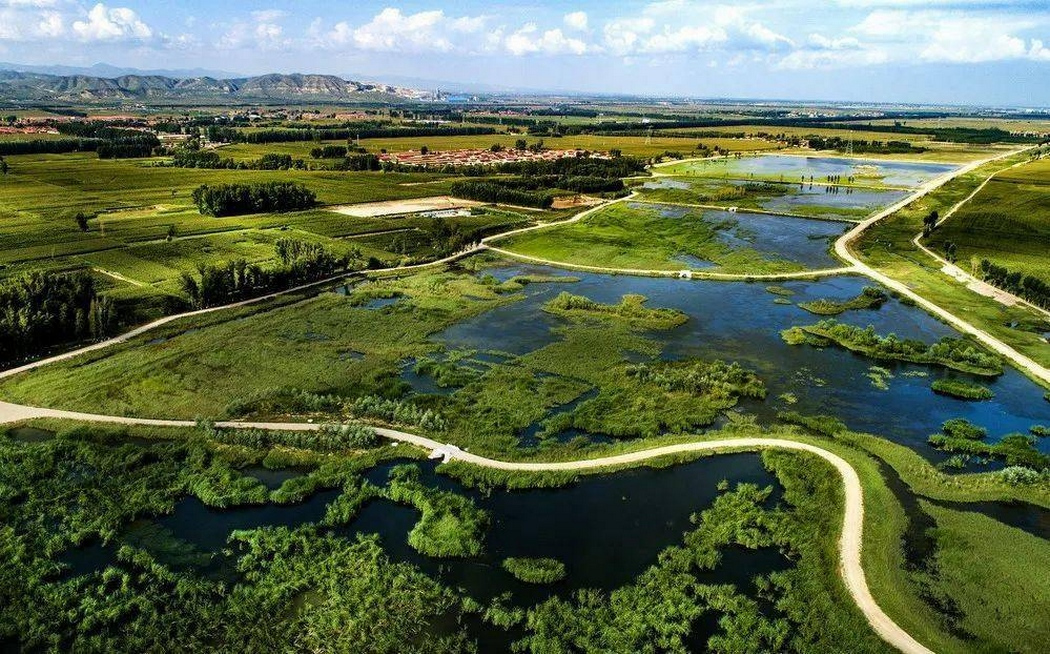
x=1008, y=223
x=640, y=237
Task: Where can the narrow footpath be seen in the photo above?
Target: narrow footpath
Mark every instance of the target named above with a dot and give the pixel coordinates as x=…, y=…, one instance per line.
x=851, y=538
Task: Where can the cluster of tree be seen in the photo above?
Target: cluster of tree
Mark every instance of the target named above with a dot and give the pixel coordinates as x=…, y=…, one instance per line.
x=486, y=191
x=862, y=147
x=210, y=159
x=929, y=222
x=329, y=152
x=1031, y=288
x=301, y=263
x=713, y=378
x=960, y=436
x=41, y=310
x=49, y=146
x=229, y=135
x=112, y=142
x=358, y=162
x=956, y=353
x=577, y=184
x=396, y=412
x=132, y=146
x=327, y=438
x=951, y=251
x=262, y=197
x=446, y=237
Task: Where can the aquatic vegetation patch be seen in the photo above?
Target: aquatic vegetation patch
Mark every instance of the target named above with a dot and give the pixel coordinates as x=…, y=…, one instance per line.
x=962, y=390
x=631, y=310
x=451, y=525
x=954, y=353
x=962, y=437
x=535, y=570
x=869, y=298
x=880, y=377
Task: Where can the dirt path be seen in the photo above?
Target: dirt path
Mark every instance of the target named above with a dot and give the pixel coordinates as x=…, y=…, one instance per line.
x=850, y=540
x=961, y=275
x=736, y=209
x=843, y=248
x=682, y=274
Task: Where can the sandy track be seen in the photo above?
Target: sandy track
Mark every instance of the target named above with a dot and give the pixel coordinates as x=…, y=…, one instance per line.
x=850, y=540
x=843, y=248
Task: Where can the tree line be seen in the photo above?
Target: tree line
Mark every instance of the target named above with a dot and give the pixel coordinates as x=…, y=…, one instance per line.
x=229, y=135
x=301, y=263
x=488, y=191
x=262, y=197
x=1030, y=288
x=193, y=158
x=49, y=146
x=863, y=147
x=44, y=309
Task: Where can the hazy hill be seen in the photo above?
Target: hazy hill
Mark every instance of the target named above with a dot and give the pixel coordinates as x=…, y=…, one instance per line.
x=30, y=86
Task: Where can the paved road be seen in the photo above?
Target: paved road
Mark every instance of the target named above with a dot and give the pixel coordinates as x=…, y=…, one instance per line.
x=850, y=541
x=843, y=248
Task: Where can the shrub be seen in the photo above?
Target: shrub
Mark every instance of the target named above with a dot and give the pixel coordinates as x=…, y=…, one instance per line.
x=961, y=389
x=535, y=570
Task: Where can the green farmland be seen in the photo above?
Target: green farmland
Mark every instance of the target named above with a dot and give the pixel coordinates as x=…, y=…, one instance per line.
x=1008, y=222
x=143, y=230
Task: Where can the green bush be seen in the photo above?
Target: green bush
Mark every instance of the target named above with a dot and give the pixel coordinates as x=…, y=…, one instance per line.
x=535, y=570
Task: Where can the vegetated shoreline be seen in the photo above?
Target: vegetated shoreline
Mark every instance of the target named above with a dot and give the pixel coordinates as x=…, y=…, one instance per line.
x=961, y=389
x=913, y=470
x=827, y=332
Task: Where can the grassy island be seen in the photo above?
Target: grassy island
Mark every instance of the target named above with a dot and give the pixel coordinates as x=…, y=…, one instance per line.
x=953, y=353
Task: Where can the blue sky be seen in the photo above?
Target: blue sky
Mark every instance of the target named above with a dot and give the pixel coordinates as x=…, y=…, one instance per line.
x=989, y=52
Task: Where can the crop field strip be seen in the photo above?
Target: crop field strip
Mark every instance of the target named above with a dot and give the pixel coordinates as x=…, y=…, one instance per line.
x=1006, y=222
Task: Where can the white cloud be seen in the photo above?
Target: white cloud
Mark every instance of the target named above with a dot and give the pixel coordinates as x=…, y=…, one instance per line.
x=25, y=21
x=264, y=31
x=529, y=40
x=269, y=15
x=576, y=20
x=391, y=30
x=51, y=24
x=938, y=36
x=1038, y=51
x=104, y=24
x=679, y=26
x=37, y=4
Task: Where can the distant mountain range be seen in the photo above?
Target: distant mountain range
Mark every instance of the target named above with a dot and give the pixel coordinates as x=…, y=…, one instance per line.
x=144, y=88
x=110, y=71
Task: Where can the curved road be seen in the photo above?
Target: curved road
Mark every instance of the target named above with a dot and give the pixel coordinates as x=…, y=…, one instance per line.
x=692, y=274
x=844, y=252
x=963, y=275
x=850, y=541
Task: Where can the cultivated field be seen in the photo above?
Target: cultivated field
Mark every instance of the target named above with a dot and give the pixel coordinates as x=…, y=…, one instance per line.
x=1008, y=223
x=628, y=145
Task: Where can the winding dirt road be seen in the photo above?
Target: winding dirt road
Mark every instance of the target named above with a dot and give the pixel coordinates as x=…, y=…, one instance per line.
x=843, y=248
x=851, y=538
x=961, y=275
x=691, y=274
